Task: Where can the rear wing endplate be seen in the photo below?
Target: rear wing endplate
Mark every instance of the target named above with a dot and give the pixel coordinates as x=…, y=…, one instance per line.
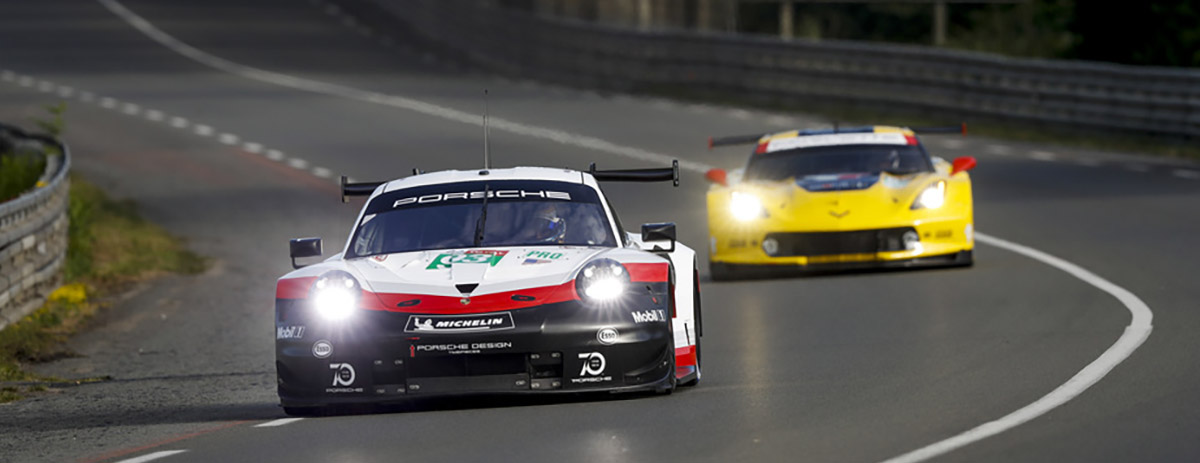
x=357, y=189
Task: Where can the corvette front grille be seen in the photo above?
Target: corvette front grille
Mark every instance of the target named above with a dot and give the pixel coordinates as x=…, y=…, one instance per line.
x=847, y=242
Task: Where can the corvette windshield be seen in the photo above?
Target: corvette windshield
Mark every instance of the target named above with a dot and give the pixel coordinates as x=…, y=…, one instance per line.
x=826, y=160
x=519, y=213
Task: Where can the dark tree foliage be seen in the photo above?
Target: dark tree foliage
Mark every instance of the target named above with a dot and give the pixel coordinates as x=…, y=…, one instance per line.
x=1156, y=32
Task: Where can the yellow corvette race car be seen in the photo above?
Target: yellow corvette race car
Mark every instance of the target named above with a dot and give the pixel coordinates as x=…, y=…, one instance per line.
x=834, y=199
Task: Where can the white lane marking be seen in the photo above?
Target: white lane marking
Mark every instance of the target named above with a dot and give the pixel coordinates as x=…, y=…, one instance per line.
x=7, y=75
x=1135, y=334
x=65, y=91
x=179, y=122
x=554, y=135
x=252, y=147
x=781, y=121
x=279, y=422
x=155, y=115
x=152, y=456
x=25, y=81
x=275, y=155
x=108, y=103
x=322, y=172
x=951, y=144
x=298, y=163
x=1188, y=174
x=228, y=139
x=740, y=114
x=203, y=130
x=131, y=109
x=45, y=86
x=1042, y=155
x=999, y=150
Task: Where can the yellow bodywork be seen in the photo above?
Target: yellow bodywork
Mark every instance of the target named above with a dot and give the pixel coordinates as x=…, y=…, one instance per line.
x=788, y=207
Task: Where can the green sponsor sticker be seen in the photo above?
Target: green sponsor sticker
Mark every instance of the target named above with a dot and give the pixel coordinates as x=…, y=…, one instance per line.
x=470, y=257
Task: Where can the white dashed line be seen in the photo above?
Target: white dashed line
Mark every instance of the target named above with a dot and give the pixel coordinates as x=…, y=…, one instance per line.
x=252, y=147
x=65, y=91
x=322, y=172
x=25, y=81
x=998, y=150
x=203, y=130
x=131, y=109
x=951, y=144
x=7, y=75
x=108, y=103
x=782, y=121
x=275, y=155
x=45, y=86
x=740, y=114
x=1043, y=155
x=154, y=115
x=152, y=456
x=179, y=122
x=298, y=163
x=1188, y=174
x=279, y=422
x=228, y=139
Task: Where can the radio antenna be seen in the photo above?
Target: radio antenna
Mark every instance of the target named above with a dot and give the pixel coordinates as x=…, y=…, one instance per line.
x=487, y=160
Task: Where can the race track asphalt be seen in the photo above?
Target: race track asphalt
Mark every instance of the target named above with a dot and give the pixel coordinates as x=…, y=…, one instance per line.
x=845, y=367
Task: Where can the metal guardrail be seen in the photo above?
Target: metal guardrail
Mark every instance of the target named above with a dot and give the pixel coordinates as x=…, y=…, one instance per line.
x=33, y=233
x=1160, y=101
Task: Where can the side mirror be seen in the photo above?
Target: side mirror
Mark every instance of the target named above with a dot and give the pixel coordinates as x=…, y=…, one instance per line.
x=659, y=232
x=304, y=247
x=718, y=176
x=962, y=164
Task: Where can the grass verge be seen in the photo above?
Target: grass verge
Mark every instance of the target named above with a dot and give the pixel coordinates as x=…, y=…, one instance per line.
x=110, y=247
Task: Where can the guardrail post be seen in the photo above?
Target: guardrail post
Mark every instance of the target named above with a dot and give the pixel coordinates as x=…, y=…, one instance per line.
x=939, y=23
x=787, y=17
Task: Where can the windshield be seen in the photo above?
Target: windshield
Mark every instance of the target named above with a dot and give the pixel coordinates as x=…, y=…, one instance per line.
x=519, y=213
x=826, y=160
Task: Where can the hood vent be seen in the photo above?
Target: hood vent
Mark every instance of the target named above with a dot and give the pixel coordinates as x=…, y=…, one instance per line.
x=466, y=288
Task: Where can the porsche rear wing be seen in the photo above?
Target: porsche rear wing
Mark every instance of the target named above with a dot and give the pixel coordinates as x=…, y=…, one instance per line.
x=732, y=140
x=638, y=175
x=663, y=174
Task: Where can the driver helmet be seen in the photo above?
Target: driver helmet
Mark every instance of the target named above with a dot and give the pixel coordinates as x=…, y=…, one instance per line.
x=549, y=226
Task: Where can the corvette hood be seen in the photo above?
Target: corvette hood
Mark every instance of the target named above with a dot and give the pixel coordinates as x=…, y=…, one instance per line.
x=844, y=202
x=475, y=271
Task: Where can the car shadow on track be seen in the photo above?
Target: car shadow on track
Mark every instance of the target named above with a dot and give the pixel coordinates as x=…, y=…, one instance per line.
x=473, y=402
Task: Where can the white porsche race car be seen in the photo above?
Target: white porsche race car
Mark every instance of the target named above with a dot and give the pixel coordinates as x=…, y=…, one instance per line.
x=515, y=280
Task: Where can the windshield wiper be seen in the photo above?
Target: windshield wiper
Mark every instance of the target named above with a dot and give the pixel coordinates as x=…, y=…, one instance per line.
x=482, y=222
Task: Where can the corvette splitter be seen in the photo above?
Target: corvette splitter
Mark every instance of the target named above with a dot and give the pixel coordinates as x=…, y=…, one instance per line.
x=496, y=281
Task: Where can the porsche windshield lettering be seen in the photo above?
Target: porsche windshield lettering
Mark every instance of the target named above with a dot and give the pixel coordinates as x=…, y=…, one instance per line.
x=464, y=195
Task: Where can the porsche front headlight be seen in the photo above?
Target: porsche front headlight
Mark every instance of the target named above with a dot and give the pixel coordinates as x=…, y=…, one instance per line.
x=335, y=296
x=932, y=198
x=602, y=280
x=745, y=206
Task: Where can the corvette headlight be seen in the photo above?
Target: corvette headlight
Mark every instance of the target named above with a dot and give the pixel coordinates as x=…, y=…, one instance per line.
x=602, y=280
x=335, y=295
x=745, y=206
x=932, y=198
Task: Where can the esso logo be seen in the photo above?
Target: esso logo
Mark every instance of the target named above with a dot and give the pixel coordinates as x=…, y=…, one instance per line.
x=607, y=336
x=322, y=349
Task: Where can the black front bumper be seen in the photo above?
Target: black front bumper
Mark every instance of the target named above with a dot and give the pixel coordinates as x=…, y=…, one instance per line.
x=381, y=357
